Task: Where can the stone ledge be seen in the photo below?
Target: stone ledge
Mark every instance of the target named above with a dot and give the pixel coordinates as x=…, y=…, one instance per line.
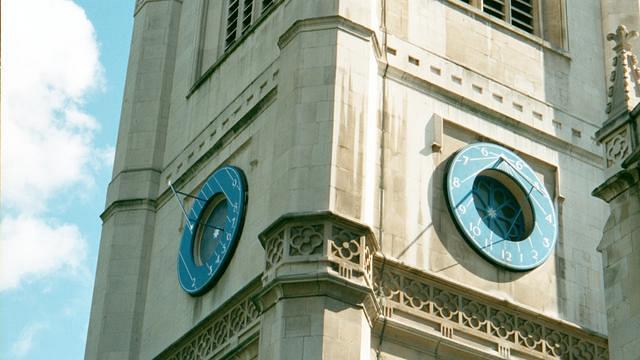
x=127, y=205
x=617, y=184
x=327, y=23
x=430, y=341
x=311, y=285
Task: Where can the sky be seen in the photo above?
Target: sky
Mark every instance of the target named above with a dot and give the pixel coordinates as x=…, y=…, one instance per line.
x=63, y=71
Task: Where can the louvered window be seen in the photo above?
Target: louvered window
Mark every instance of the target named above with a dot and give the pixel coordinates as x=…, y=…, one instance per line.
x=247, y=13
x=494, y=8
x=241, y=15
x=522, y=14
x=232, y=23
x=266, y=4
x=519, y=13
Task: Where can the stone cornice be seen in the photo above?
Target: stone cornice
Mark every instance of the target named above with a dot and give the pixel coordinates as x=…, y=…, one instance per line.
x=127, y=205
x=314, y=284
x=330, y=22
x=316, y=215
x=617, y=184
x=141, y=3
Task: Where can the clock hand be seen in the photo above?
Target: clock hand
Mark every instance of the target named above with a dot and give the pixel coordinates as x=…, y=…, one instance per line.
x=495, y=242
x=481, y=170
x=211, y=226
x=470, y=193
x=513, y=222
x=187, y=268
x=515, y=168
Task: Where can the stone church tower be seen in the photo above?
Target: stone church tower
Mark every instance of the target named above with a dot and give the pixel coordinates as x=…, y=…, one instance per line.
x=348, y=179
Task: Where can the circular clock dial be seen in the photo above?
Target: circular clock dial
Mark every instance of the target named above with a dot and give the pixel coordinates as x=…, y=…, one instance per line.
x=500, y=206
x=214, y=228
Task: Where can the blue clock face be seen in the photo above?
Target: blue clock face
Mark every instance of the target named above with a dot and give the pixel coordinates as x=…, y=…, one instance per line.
x=500, y=206
x=214, y=228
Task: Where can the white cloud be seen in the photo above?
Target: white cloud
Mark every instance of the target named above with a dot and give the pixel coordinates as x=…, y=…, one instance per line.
x=25, y=341
x=50, y=64
x=31, y=248
x=106, y=156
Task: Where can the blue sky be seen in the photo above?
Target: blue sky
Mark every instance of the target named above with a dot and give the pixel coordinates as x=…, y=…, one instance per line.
x=63, y=75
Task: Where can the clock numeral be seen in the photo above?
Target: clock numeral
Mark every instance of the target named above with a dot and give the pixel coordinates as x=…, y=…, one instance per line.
x=519, y=165
x=546, y=242
x=462, y=209
x=456, y=182
x=549, y=218
x=534, y=255
x=475, y=230
x=466, y=159
x=484, y=151
x=521, y=258
x=506, y=255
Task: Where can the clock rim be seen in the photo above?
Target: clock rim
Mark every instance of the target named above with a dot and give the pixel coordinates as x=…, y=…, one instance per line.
x=224, y=263
x=506, y=266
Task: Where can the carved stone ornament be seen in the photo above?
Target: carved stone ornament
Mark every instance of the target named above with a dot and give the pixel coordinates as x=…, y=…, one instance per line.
x=322, y=251
x=624, y=93
x=465, y=314
x=221, y=332
x=298, y=240
x=617, y=146
x=618, y=132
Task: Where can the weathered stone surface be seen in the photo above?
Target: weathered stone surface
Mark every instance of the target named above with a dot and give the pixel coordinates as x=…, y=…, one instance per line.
x=345, y=114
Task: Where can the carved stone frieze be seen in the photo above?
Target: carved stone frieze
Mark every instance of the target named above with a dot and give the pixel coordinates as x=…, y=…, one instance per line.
x=219, y=333
x=513, y=331
x=274, y=247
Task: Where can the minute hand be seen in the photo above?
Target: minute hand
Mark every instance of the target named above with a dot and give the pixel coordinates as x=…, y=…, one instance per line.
x=505, y=159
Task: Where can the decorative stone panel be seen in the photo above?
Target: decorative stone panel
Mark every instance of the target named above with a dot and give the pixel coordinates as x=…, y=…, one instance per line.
x=617, y=146
x=298, y=244
x=461, y=313
x=224, y=331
